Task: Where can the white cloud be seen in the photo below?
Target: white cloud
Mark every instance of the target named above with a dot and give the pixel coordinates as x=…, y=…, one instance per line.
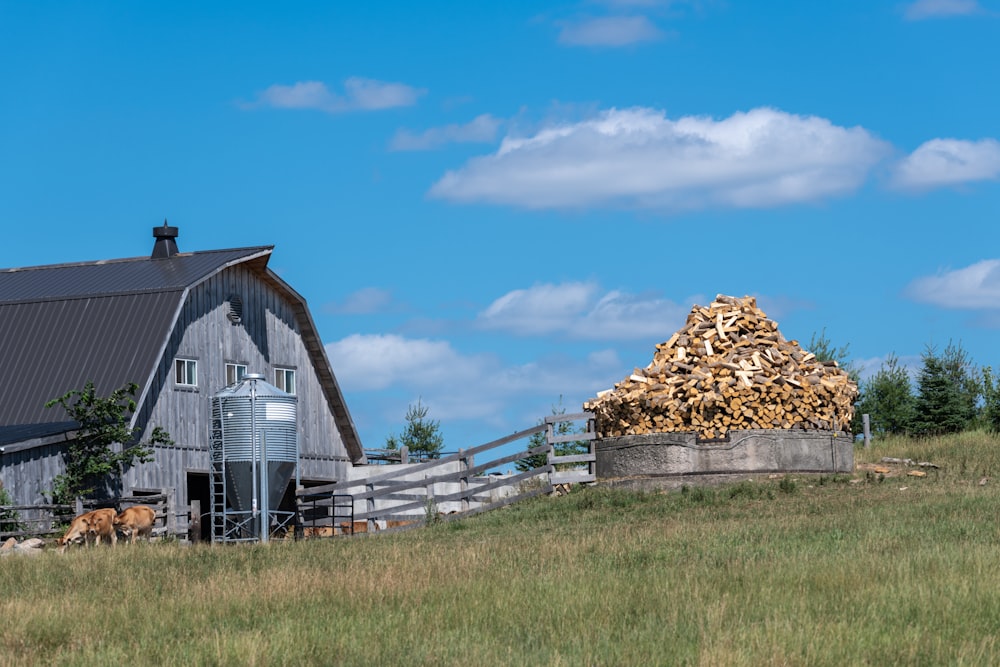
x=579, y=310
x=359, y=95
x=610, y=31
x=459, y=386
x=481, y=129
x=639, y=158
x=925, y=9
x=943, y=162
x=974, y=287
x=378, y=361
x=363, y=302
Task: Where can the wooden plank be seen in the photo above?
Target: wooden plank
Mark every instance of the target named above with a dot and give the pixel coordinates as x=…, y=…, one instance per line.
x=573, y=417
x=573, y=437
x=574, y=458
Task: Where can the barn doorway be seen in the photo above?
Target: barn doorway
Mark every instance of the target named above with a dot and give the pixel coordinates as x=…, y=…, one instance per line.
x=199, y=489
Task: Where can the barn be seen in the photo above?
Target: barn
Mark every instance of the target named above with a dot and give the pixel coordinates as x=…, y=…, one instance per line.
x=180, y=325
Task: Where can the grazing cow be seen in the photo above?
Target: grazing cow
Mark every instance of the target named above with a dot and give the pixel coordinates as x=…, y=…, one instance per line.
x=102, y=526
x=137, y=520
x=77, y=532
x=89, y=528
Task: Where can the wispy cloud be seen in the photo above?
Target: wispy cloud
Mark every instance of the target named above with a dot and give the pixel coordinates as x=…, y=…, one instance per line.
x=582, y=311
x=928, y=9
x=974, y=287
x=639, y=158
x=611, y=31
x=363, y=302
x=944, y=162
x=869, y=367
x=359, y=95
x=481, y=129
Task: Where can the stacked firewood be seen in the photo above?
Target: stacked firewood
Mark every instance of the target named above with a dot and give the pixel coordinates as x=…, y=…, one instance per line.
x=727, y=369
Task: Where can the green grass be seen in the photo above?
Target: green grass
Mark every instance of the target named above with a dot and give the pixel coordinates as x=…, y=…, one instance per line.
x=797, y=570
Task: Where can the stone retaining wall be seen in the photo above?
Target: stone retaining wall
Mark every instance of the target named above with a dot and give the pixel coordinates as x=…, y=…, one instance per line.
x=742, y=452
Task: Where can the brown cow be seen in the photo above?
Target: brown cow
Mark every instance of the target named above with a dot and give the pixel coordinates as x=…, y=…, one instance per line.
x=88, y=528
x=102, y=526
x=77, y=532
x=137, y=520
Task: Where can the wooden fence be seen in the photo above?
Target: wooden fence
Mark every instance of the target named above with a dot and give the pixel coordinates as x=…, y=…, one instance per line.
x=399, y=497
x=48, y=521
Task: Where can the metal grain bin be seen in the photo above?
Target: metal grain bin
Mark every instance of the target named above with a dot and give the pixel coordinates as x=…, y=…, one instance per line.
x=256, y=441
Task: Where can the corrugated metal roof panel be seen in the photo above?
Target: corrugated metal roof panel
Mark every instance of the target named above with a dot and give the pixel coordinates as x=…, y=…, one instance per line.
x=48, y=347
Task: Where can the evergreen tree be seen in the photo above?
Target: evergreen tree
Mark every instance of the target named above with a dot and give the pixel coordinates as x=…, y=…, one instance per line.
x=887, y=398
x=991, y=400
x=940, y=406
x=965, y=376
x=421, y=437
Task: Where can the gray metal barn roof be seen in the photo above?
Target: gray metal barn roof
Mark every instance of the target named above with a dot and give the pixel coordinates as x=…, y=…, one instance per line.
x=64, y=324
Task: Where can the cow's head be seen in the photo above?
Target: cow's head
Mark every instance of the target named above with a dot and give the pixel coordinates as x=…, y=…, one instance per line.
x=77, y=536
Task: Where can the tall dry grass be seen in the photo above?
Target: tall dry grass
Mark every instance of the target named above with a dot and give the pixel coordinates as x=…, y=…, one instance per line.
x=808, y=570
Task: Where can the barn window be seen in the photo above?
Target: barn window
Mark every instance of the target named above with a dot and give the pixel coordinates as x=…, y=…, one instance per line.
x=235, y=373
x=186, y=373
x=235, y=312
x=284, y=379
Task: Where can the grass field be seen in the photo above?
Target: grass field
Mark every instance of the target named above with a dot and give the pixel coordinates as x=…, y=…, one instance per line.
x=874, y=568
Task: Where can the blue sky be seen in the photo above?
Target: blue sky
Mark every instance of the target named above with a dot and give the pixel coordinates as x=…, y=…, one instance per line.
x=492, y=205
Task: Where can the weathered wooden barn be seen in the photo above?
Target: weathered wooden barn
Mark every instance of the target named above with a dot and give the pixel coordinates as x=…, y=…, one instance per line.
x=181, y=325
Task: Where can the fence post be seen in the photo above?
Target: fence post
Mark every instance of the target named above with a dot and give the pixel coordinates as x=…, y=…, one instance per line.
x=429, y=505
x=79, y=506
x=592, y=464
x=297, y=531
x=194, y=526
x=550, y=456
x=464, y=480
x=169, y=511
x=370, y=490
x=404, y=454
x=867, y=430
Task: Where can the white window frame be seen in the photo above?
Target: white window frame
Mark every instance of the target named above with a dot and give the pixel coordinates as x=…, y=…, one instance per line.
x=185, y=372
x=284, y=374
x=233, y=371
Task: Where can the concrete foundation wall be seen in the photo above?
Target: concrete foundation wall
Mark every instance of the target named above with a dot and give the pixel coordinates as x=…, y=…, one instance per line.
x=750, y=451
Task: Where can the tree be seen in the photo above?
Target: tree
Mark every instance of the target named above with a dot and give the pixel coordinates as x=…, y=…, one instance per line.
x=888, y=399
x=991, y=400
x=965, y=376
x=561, y=448
x=92, y=462
x=421, y=437
x=941, y=405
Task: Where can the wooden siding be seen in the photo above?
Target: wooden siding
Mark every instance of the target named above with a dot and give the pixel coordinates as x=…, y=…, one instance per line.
x=268, y=337
x=27, y=474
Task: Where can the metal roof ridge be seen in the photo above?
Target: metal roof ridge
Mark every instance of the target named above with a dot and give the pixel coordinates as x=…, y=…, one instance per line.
x=142, y=258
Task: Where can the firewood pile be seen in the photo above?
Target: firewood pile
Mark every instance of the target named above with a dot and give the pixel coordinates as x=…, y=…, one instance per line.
x=727, y=369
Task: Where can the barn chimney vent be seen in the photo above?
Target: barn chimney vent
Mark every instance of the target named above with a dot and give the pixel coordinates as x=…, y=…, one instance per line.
x=165, y=245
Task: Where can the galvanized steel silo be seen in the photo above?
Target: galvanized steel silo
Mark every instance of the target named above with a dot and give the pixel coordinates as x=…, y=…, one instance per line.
x=255, y=443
